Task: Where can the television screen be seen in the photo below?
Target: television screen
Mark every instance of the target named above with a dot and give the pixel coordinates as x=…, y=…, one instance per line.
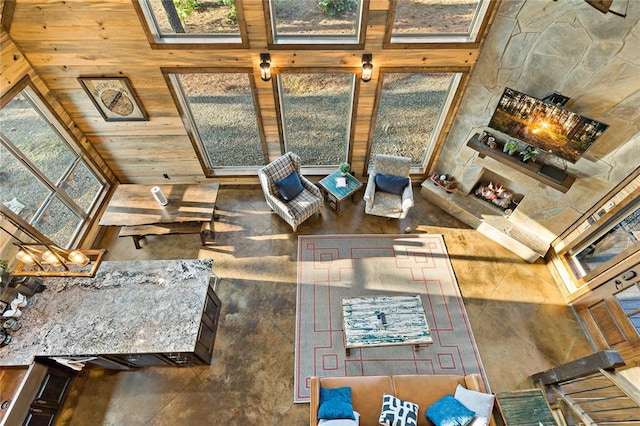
x=546, y=126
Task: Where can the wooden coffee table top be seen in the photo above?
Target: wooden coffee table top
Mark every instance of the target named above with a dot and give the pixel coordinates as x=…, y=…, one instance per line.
x=133, y=204
x=406, y=322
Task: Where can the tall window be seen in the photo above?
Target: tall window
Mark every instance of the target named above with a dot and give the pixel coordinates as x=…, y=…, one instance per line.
x=315, y=21
x=611, y=243
x=316, y=111
x=192, y=21
x=42, y=179
x=411, y=113
x=424, y=21
x=220, y=114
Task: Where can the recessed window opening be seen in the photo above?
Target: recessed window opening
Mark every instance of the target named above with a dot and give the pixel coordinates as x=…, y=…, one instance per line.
x=411, y=114
x=316, y=21
x=430, y=21
x=43, y=179
x=191, y=21
x=220, y=114
x=316, y=116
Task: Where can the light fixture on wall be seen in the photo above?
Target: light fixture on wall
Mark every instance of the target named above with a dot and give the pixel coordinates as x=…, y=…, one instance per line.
x=367, y=67
x=49, y=260
x=265, y=66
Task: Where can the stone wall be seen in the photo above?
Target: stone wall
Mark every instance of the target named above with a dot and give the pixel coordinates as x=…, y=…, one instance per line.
x=538, y=47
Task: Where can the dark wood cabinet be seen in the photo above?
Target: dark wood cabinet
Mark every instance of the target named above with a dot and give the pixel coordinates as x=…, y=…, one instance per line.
x=40, y=417
x=50, y=397
x=608, y=314
x=201, y=354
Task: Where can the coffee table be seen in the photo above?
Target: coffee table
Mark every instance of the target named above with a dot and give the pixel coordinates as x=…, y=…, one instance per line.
x=334, y=195
x=190, y=210
x=372, y=321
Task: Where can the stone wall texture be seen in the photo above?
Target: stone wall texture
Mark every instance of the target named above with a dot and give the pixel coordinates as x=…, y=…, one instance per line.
x=543, y=46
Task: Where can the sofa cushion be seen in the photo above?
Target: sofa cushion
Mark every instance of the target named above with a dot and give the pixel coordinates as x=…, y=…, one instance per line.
x=366, y=393
x=341, y=422
x=480, y=402
x=290, y=187
x=448, y=411
x=392, y=184
x=396, y=411
x=335, y=403
x=424, y=390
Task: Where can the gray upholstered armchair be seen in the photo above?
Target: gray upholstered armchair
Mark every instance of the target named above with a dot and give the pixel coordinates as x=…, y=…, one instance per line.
x=294, y=207
x=389, y=192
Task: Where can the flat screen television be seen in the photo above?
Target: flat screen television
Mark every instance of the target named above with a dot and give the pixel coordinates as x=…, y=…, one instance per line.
x=545, y=126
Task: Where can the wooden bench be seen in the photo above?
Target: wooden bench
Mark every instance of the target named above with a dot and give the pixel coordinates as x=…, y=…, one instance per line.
x=137, y=232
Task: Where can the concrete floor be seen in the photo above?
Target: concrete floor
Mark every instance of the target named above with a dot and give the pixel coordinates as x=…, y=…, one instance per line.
x=520, y=322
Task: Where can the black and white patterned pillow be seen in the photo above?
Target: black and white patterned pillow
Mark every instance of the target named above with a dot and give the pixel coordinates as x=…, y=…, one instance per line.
x=396, y=412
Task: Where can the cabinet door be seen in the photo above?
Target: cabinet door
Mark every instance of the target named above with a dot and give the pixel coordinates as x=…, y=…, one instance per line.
x=53, y=389
x=208, y=326
x=183, y=359
x=138, y=360
x=612, y=321
x=40, y=417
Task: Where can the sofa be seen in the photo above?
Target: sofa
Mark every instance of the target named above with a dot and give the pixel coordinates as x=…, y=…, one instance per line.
x=367, y=392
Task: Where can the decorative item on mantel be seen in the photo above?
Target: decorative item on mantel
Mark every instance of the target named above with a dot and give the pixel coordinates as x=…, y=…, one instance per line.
x=448, y=183
x=529, y=153
x=510, y=147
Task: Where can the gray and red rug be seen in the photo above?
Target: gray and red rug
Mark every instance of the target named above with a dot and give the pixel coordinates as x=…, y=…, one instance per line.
x=331, y=267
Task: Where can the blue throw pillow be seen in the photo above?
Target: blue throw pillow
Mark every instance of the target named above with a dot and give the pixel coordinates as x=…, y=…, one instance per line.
x=392, y=184
x=335, y=404
x=290, y=186
x=448, y=411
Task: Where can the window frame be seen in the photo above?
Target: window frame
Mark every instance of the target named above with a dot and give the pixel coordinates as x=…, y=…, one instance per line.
x=319, y=169
x=449, y=108
x=568, y=255
x=478, y=26
x=191, y=128
x=47, y=113
x=316, y=42
x=189, y=40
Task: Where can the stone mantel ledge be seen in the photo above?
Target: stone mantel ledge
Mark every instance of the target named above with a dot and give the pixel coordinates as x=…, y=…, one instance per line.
x=128, y=307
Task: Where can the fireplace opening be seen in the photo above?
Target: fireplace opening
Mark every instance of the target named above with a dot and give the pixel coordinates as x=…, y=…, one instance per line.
x=498, y=192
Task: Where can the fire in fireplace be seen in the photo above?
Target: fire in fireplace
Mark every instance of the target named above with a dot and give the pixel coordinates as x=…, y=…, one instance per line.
x=497, y=195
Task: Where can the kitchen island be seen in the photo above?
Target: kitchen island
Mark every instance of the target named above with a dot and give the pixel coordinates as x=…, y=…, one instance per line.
x=135, y=313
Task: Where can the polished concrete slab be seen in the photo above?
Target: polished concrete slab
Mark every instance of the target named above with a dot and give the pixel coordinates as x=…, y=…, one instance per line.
x=520, y=322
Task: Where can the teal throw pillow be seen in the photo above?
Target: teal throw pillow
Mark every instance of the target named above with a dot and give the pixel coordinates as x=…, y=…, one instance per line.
x=290, y=187
x=448, y=411
x=392, y=184
x=335, y=403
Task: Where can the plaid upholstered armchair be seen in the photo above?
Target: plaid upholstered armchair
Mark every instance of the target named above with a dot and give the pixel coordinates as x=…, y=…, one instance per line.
x=289, y=194
x=389, y=192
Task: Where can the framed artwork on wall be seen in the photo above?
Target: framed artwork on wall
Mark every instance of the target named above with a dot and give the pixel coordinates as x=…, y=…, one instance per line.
x=114, y=97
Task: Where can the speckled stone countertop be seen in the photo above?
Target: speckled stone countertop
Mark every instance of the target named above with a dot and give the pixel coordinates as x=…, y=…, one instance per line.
x=128, y=307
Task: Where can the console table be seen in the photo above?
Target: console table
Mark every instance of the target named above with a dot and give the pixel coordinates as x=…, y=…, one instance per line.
x=190, y=210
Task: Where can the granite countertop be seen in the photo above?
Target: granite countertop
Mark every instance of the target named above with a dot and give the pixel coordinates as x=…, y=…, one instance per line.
x=128, y=307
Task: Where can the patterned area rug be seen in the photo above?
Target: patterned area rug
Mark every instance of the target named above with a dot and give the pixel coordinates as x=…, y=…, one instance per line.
x=331, y=267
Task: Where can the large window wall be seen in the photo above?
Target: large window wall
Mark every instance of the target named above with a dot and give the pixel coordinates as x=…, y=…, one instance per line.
x=316, y=101
x=43, y=178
